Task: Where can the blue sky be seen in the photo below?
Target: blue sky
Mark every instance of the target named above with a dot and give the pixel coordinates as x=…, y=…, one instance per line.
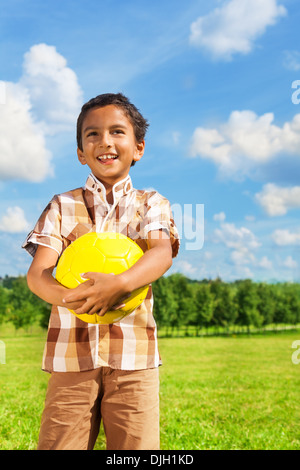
x=214, y=79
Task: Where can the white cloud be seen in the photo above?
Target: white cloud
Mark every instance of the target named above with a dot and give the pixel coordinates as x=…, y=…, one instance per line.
x=44, y=101
x=265, y=263
x=208, y=255
x=242, y=272
x=23, y=152
x=277, y=200
x=242, y=242
x=237, y=238
x=285, y=237
x=220, y=217
x=246, y=141
x=186, y=267
x=14, y=221
x=289, y=262
x=242, y=256
x=176, y=137
x=2, y=92
x=234, y=27
x=292, y=60
x=53, y=88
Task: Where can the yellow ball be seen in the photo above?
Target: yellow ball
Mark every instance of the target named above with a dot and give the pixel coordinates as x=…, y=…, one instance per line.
x=106, y=253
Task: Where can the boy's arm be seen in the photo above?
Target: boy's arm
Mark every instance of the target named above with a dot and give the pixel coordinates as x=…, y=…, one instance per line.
x=108, y=290
x=41, y=282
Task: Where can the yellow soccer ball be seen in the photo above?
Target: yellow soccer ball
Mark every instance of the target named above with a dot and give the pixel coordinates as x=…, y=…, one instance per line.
x=106, y=253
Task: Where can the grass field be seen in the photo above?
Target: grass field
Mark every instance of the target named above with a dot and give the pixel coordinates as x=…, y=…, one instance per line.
x=216, y=393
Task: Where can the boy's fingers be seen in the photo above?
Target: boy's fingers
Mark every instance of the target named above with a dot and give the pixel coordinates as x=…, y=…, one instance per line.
x=92, y=275
x=86, y=275
x=78, y=293
x=116, y=307
x=74, y=297
x=74, y=305
x=85, y=308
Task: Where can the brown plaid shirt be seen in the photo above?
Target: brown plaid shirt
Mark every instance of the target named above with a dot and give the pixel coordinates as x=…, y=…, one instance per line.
x=73, y=345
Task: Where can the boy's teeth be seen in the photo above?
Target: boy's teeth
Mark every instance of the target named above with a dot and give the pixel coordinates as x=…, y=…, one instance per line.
x=105, y=157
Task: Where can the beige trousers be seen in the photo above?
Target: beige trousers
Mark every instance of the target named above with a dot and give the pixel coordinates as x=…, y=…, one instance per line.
x=126, y=401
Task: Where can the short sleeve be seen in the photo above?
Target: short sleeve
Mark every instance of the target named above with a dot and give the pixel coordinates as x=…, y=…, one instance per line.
x=159, y=217
x=47, y=231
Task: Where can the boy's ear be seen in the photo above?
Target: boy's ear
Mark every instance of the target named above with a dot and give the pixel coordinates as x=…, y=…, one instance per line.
x=139, y=152
x=81, y=157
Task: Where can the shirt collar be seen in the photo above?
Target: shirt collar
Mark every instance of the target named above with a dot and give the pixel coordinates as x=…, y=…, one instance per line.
x=119, y=189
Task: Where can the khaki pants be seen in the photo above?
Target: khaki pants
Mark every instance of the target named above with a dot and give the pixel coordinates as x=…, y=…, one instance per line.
x=126, y=401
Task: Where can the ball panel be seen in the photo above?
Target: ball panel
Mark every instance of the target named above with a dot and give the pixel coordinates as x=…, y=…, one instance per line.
x=135, y=299
x=114, y=265
x=64, y=263
x=88, y=258
x=109, y=317
x=70, y=280
x=133, y=256
x=108, y=246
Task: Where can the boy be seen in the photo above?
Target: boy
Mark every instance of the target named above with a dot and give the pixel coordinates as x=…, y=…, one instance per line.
x=107, y=372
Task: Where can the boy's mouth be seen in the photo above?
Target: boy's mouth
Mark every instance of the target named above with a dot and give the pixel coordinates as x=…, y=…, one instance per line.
x=107, y=158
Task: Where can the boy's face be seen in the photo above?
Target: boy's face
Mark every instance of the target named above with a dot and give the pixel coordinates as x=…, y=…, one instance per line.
x=109, y=144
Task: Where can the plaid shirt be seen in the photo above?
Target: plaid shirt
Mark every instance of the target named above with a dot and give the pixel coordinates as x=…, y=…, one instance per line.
x=73, y=345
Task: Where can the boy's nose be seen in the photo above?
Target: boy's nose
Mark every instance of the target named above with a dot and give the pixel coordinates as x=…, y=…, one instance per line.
x=105, y=140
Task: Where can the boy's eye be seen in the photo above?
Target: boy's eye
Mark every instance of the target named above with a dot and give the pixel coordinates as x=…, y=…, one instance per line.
x=91, y=133
x=118, y=131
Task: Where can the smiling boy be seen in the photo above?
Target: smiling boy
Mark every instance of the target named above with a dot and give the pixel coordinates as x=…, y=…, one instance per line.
x=107, y=372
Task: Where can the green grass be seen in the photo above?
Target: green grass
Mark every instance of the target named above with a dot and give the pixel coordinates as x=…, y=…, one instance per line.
x=216, y=393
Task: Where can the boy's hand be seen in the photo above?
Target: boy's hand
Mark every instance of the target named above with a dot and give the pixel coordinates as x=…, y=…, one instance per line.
x=99, y=294
x=108, y=291
x=74, y=305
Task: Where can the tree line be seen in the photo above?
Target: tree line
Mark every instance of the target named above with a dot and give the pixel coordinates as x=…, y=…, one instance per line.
x=179, y=302
x=218, y=306
x=20, y=306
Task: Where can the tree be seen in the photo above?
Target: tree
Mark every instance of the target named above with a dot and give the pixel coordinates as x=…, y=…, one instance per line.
x=266, y=303
x=23, y=304
x=45, y=311
x=247, y=302
x=287, y=308
x=281, y=309
x=294, y=301
x=204, y=306
x=225, y=309
x=183, y=298
x=165, y=306
x=3, y=303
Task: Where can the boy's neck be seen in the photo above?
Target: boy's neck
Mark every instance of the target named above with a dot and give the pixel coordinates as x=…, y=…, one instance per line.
x=109, y=194
x=109, y=188
x=108, y=191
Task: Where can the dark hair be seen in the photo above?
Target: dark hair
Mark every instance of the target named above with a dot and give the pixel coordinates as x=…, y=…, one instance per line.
x=139, y=123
